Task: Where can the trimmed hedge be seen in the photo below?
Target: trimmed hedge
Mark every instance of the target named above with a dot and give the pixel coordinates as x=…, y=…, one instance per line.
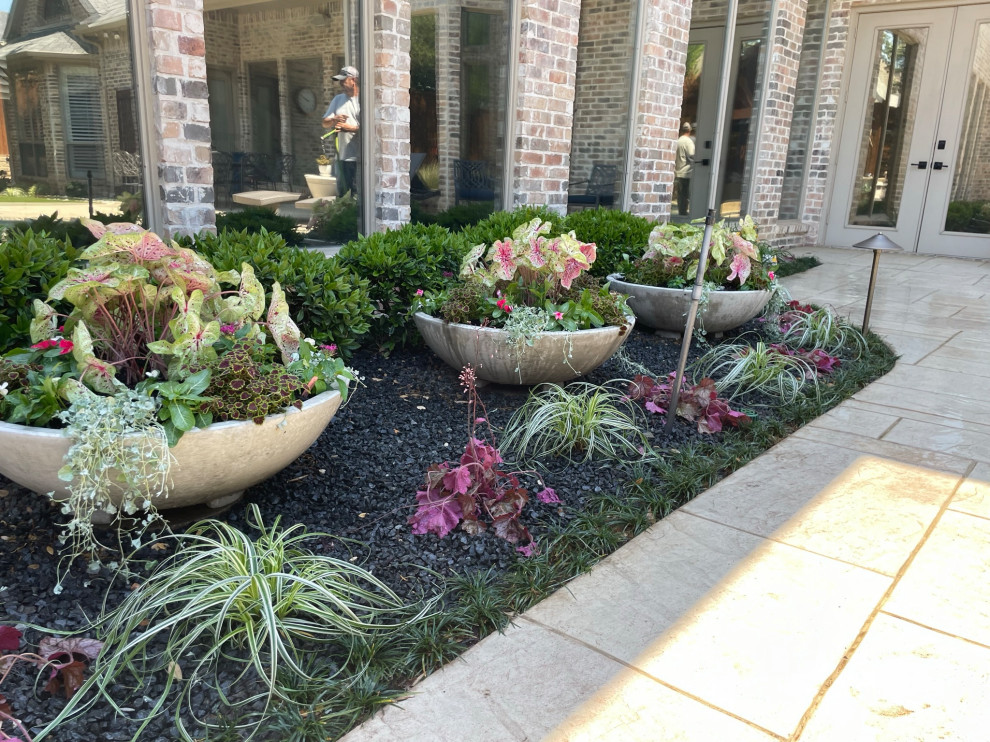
x=329, y=302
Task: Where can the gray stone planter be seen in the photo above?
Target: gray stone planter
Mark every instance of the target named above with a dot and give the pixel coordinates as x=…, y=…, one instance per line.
x=211, y=466
x=666, y=309
x=553, y=357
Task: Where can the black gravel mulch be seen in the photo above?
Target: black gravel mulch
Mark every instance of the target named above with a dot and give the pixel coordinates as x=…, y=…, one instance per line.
x=357, y=481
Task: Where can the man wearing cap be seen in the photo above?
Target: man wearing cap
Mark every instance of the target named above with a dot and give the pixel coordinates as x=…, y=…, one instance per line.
x=343, y=116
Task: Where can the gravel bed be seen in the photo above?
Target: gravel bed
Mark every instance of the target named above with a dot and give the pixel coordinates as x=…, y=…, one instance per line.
x=357, y=481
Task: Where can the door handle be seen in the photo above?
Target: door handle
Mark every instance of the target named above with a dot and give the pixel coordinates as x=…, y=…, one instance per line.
x=923, y=164
x=937, y=166
x=706, y=162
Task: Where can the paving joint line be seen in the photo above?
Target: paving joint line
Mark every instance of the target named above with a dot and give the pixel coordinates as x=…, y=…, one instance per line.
x=868, y=623
x=648, y=676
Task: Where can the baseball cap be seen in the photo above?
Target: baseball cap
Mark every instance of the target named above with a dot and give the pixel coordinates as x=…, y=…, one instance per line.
x=345, y=72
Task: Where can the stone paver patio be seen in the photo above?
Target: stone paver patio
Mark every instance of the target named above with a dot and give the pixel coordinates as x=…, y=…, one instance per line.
x=833, y=590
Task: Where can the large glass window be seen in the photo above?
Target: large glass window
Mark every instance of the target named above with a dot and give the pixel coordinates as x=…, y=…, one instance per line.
x=706, y=50
x=70, y=114
x=802, y=121
x=459, y=74
x=599, y=138
x=285, y=85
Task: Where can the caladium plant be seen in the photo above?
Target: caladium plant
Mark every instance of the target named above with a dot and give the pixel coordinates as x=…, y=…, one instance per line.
x=474, y=491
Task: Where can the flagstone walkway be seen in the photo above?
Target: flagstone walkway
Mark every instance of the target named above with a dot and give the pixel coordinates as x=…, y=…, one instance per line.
x=835, y=589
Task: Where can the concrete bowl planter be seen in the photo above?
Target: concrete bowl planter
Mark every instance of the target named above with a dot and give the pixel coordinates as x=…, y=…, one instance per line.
x=211, y=466
x=553, y=357
x=666, y=309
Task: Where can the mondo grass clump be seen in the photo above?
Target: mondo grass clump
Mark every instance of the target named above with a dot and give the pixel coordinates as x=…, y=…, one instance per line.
x=580, y=422
x=286, y=619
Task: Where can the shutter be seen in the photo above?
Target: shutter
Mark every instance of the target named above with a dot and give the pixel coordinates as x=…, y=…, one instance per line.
x=84, y=123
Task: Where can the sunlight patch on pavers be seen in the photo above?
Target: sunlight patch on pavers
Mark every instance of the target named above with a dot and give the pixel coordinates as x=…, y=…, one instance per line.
x=906, y=683
x=973, y=496
x=946, y=587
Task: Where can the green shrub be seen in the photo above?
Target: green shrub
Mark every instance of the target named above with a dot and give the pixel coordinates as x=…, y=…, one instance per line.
x=335, y=221
x=76, y=189
x=615, y=233
x=501, y=224
x=455, y=218
x=325, y=298
x=60, y=229
x=968, y=216
x=398, y=264
x=255, y=218
x=30, y=263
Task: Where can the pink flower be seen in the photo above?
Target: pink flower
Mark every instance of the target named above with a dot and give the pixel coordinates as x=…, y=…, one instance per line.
x=44, y=345
x=331, y=349
x=503, y=305
x=65, y=345
x=771, y=275
x=228, y=329
x=419, y=292
x=558, y=315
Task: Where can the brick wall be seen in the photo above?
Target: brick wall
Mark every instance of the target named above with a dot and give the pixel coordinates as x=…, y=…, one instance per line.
x=391, y=115
x=180, y=115
x=656, y=119
x=604, y=80
x=547, y=68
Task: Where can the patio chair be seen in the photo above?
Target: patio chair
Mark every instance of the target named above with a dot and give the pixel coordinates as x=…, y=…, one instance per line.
x=258, y=172
x=599, y=188
x=223, y=176
x=127, y=170
x=474, y=180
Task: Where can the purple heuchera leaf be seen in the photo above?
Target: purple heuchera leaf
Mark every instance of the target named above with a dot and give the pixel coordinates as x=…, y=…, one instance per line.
x=528, y=550
x=548, y=496
x=458, y=480
x=10, y=639
x=651, y=407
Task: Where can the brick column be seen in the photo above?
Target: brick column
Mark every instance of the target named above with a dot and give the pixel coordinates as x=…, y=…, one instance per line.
x=547, y=73
x=391, y=40
x=657, y=115
x=784, y=55
x=180, y=115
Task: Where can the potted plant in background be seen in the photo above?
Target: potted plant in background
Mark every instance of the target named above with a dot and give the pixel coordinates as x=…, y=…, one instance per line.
x=739, y=277
x=325, y=165
x=526, y=311
x=158, y=388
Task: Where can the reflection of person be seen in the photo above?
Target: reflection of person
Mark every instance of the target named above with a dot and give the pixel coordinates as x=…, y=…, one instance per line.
x=683, y=168
x=343, y=116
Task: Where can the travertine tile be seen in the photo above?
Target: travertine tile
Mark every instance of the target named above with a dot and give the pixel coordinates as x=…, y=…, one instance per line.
x=516, y=686
x=972, y=442
x=933, y=402
x=633, y=708
x=860, y=509
x=906, y=683
x=974, y=360
x=910, y=347
x=973, y=496
x=765, y=640
x=850, y=417
x=934, y=460
x=946, y=586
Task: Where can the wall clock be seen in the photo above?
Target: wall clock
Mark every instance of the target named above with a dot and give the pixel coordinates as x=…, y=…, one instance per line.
x=306, y=100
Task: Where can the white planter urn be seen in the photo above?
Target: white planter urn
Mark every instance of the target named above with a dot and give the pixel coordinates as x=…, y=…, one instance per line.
x=322, y=186
x=666, y=309
x=325, y=170
x=553, y=357
x=212, y=465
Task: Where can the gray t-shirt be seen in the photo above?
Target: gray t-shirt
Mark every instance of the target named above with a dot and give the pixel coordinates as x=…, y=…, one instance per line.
x=348, y=142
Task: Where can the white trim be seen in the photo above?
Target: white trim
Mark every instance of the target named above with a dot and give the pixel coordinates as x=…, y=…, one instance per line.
x=369, y=136
x=512, y=112
x=635, y=88
x=154, y=214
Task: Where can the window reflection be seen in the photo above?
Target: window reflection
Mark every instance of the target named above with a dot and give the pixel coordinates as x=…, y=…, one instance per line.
x=600, y=134
x=270, y=73
x=71, y=125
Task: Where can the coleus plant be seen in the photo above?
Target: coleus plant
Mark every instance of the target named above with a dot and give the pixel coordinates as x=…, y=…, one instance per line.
x=474, y=492
x=699, y=402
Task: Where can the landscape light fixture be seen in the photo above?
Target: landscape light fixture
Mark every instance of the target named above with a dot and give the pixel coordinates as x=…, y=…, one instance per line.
x=878, y=243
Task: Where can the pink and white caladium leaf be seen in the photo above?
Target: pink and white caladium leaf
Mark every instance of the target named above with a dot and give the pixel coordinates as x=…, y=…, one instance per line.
x=740, y=268
x=45, y=322
x=284, y=331
x=96, y=374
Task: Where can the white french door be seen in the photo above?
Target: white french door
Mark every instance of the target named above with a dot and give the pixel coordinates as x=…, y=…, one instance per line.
x=913, y=156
